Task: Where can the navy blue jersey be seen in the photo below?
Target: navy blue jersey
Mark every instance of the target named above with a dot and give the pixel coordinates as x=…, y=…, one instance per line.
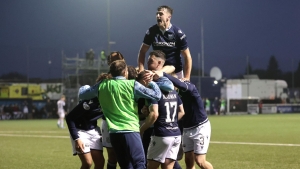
x=192, y=103
x=84, y=116
x=167, y=121
x=171, y=42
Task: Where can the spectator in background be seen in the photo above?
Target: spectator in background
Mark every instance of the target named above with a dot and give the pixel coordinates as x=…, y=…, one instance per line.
x=2, y=115
x=223, y=106
x=89, y=56
x=48, y=109
x=34, y=112
x=103, y=57
x=25, y=111
x=207, y=105
x=216, y=105
x=6, y=112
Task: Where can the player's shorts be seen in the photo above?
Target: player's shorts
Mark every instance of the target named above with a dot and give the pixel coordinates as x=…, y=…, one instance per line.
x=207, y=109
x=61, y=114
x=197, y=139
x=91, y=140
x=105, y=135
x=222, y=108
x=161, y=148
x=179, y=75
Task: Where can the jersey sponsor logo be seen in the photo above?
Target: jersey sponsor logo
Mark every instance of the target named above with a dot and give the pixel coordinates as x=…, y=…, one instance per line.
x=168, y=44
x=172, y=128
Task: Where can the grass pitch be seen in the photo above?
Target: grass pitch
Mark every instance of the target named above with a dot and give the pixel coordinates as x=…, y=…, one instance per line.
x=237, y=142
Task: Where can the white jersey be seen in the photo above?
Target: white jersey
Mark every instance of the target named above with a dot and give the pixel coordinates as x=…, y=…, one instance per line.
x=60, y=106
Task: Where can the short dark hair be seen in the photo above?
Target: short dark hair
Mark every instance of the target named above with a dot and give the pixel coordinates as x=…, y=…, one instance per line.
x=140, y=75
x=132, y=73
x=158, y=54
x=169, y=9
x=115, y=55
x=117, y=68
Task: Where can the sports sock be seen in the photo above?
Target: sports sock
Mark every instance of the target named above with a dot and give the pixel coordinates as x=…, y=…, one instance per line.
x=176, y=165
x=111, y=166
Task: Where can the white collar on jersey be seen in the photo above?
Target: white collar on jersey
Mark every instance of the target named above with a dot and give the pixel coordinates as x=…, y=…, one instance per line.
x=163, y=31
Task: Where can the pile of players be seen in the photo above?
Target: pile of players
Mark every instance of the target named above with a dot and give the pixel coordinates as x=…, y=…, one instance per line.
x=146, y=114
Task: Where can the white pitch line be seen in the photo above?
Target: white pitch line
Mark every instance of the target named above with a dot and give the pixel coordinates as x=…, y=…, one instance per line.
x=30, y=132
x=213, y=142
x=260, y=144
x=39, y=136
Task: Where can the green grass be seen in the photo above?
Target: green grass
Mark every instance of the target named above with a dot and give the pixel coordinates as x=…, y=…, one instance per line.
x=39, y=144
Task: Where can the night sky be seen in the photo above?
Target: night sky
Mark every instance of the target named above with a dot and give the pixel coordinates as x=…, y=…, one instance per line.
x=36, y=31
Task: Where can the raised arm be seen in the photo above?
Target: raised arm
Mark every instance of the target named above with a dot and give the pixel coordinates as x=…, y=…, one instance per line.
x=141, y=57
x=153, y=92
x=164, y=84
x=89, y=93
x=187, y=63
x=177, y=83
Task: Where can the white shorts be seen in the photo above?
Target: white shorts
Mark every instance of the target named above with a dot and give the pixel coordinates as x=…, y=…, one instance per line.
x=179, y=75
x=161, y=148
x=105, y=135
x=222, y=108
x=91, y=140
x=207, y=109
x=197, y=139
x=61, y=114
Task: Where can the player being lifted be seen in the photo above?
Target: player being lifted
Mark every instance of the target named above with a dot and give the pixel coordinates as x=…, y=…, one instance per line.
x=171, y=40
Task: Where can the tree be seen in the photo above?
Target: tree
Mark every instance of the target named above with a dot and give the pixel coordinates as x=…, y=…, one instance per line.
x=13, y=76
x=297, y=75
x=273, y=71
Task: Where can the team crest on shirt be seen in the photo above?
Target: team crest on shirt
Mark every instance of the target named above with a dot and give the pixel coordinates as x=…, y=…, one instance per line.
x=170, y=36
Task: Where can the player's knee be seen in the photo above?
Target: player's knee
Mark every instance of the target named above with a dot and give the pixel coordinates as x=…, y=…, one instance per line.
x=87, y=164
x=202, y=164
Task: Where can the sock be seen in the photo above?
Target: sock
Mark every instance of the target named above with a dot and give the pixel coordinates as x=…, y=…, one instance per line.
x=176, y=165
x=111, y=166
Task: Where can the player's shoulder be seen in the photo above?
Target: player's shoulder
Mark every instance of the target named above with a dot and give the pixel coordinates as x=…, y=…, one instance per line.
x=153, y=28
x=176, y=29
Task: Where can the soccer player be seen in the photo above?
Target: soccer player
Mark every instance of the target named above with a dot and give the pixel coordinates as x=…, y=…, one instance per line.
x=61, y=111
x=118, y=99
x=85, y=133
x=92, y=92
x=222, y=107
x=156, y=62
x=196, y=126
x=166, y=138
x=171, y=40
x=207, y=106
